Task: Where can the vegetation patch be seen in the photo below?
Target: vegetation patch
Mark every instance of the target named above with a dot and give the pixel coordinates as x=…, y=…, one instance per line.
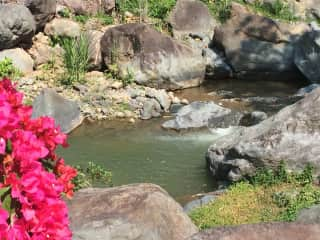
x=279, y=9
x=271, y=195
x=7, y=69
x=75, y=58
x=92, y=175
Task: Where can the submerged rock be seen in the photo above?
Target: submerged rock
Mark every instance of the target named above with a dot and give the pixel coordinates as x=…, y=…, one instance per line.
x=66, y=113
x=202, y=114
x=137, y=211
x=152, y=58
x=292, y=135
x=262, y=231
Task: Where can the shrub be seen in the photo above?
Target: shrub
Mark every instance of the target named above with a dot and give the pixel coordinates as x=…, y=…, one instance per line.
x=75, y=58
x=91, y=175
x=33, y=177
x=7, y=69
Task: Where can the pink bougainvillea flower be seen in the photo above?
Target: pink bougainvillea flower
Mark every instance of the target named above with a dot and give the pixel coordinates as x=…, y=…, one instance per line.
x=33, y=176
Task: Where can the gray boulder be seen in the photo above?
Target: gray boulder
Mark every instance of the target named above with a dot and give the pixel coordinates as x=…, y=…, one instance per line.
x=262, y=231
x=309, y=215
x=152, y=58
x=216, y=66
x=42, y=10
x=292, y=135
x=151, y=109
x=255, y=46
x=202, y=114
x=20, y=59
x=66, y=113
x=132, y=212
x=191, y=17
x=307, y=55
x=17, y=26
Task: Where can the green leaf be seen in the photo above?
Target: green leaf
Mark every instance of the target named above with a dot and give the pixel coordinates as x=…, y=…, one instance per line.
x=6, y=203
x=3, y=191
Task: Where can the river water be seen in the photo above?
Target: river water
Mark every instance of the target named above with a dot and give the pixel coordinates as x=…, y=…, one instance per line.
x=143, y=152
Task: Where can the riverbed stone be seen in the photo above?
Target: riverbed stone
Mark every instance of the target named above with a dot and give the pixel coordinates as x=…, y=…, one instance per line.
x=17, y=26
x=20, y=59
x=151, y=109
x=262, y=231
x=292, y=135
x=255, y=46
x=200, y=115
x=66, y=113
x=137, y=211
x=216, y=66
x=152, y=58
x=191, y=17
x=161, y=96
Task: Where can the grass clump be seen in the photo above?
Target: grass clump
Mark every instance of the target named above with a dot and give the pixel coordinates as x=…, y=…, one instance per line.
x=268, y=196
x=92, y=175
x=75, y=58
x=279, y=9
x=7, y=69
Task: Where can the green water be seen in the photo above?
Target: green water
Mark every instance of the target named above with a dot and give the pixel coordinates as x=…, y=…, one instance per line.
x=143, y=152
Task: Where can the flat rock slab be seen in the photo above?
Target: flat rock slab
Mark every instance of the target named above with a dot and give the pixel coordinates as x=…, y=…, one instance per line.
x=264, y=231
x=132, y=212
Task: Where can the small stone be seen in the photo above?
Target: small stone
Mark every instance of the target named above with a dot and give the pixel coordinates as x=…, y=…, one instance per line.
x=185, y=101
x=175, y=100
x=132, y=120
x=120, y=115
x=117, y=85
x=128, y=14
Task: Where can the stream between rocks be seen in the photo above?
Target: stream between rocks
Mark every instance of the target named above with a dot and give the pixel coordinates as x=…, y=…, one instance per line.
x=144, y=152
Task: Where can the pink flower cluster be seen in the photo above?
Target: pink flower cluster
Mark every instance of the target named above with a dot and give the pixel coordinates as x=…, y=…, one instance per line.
x=32, y=177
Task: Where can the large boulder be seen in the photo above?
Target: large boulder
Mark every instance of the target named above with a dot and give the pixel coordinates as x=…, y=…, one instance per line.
x=191, y=17
x=292, y=135
x=91, y=7
x=42, y=10
x=17, y=26
x=133, y=212
x=307, y=55
x=20, y=59
x=152, y=58
x=66, y=113
x=63, y=28
x=255, y=46
x=262, y=231
x=203, y=114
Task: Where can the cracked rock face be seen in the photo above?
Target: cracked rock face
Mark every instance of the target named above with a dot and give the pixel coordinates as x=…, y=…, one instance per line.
x=292, y=135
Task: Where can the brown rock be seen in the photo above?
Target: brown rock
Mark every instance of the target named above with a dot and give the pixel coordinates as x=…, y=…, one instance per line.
x=132, y=212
